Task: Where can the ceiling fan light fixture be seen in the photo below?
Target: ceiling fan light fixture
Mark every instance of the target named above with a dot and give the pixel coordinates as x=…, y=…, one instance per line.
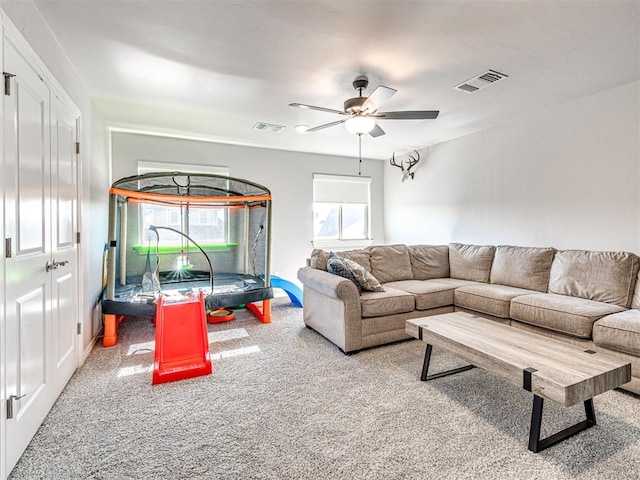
x=360, y=125
x=360, y=114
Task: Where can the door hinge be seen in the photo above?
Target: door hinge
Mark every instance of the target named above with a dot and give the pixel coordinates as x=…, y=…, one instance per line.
x=7, y=248
x=79, y=328
x=9, y=406
x=77, y=148
x=7, y=82
x=77, y=237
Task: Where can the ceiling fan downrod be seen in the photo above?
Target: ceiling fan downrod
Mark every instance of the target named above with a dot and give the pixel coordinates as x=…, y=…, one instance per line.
x=360, y=83
x=353, y=105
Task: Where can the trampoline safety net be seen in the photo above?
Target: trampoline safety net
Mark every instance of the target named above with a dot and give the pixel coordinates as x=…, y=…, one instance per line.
x=177, y=233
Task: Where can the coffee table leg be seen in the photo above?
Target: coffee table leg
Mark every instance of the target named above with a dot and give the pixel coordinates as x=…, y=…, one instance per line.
x=536, y=445
x=425, y=368
x=425, y=364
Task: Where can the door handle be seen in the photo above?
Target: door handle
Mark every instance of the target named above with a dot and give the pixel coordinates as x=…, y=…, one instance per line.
x=10, y=405
x=55, y=264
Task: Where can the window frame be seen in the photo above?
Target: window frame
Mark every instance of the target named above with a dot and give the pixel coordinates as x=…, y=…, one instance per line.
x=322, y=195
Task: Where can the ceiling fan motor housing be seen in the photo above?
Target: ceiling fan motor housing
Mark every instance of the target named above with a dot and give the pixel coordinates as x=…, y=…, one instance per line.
x=354, y=105
x=361, y=83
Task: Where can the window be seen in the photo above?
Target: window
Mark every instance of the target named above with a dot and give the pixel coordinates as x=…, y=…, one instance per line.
x=205, y=225
x=341, y=208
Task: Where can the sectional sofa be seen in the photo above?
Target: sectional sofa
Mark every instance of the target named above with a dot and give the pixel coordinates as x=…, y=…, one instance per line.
x=582, y=297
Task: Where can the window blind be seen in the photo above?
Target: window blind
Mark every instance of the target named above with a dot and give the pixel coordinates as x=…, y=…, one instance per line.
x=340, y=188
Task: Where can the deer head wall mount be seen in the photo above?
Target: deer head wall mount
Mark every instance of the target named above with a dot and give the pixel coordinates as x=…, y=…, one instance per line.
x=412, y=162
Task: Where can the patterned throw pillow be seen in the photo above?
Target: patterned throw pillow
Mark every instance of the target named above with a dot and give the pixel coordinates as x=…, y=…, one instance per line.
x=336, y=265
x=366, y=281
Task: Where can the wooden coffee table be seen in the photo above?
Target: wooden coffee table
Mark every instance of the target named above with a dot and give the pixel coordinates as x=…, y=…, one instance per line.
x=548, y=368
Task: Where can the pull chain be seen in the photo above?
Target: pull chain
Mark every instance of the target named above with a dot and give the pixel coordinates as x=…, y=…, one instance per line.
x=360, y=154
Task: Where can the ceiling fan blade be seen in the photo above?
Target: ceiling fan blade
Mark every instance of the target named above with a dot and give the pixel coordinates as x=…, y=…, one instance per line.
x=379, y=96
x=321, y=109
x=408, y=115
x=377, y=131
x=326, y=125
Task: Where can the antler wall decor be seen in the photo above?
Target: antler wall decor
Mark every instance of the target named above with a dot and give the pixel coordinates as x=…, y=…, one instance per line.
x=412, y=162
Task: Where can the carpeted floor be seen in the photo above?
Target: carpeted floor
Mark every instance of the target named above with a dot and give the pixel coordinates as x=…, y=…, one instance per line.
x=284, y=403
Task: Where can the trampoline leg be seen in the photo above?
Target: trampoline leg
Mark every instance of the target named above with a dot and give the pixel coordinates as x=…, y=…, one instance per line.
x=263, y=312
x=111, y=323
x=266, y=311
x=110, y=331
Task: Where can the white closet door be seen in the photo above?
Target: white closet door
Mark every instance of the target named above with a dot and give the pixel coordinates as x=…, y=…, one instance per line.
x=28, y=283
x=64, y=194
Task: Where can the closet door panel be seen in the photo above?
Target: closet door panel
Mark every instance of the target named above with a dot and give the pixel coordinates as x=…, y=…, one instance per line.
x=30, y=331
x=64, y=183
x=32, y=172
x=28, y=279
x=64, y=194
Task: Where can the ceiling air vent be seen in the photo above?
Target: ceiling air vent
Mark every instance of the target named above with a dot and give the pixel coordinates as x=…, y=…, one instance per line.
x=268, y=127
x=483, y=80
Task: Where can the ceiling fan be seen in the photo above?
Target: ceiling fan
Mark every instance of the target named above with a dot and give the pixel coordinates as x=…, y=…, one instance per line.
x=362, y=112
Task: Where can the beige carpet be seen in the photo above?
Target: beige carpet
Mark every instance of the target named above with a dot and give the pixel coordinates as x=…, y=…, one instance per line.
x=284, y=403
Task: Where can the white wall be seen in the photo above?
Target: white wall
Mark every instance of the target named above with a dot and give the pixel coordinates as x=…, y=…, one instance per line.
x=288, y=175
x=95, y=216
x=94, y=154
x=567, y=178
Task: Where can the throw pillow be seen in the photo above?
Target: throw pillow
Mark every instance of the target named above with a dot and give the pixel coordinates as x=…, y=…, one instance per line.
x=337, y=266
x=366, y=281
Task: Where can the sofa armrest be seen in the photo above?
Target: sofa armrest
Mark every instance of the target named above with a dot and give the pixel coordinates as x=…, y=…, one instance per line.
x=331, y=306
x=330, y=285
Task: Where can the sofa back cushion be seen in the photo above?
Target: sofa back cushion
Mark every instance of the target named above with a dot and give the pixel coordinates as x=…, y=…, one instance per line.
x=429, y=261
x=390, y=263
x=318, y=259
x=635, y=301
x=602, y=276
x=470, y=262
x=522, y=267
x=359, y=256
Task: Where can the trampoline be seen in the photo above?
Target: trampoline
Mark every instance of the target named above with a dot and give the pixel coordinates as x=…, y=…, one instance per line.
x=180, y=233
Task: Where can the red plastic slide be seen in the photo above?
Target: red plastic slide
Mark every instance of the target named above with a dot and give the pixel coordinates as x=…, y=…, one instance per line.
x=182, y=346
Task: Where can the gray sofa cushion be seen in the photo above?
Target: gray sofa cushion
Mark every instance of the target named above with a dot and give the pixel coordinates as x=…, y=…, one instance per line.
x=619, y=332
x=470, y=262
x=456, y=282
x=428, y=293
x=522, y=267
x=318, y=259
x=359, y=256
x=429, y=261
x=389, y=302
x=486, y=298
x=390, y=263
x=635, y=301
x=570, y=315
x=601, y=276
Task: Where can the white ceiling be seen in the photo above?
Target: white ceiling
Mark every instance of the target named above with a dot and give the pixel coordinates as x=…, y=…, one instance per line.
x=212, y=69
